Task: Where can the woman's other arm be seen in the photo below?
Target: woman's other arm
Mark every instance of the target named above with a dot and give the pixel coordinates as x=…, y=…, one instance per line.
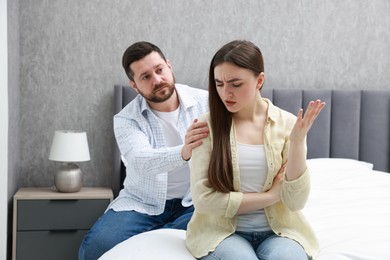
x=296, y=165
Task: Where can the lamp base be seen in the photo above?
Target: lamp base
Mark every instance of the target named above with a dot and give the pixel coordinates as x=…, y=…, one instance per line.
x=68, y=178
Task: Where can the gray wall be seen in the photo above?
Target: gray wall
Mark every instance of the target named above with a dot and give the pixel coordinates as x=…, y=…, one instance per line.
x=4, y=119
x=70, y=58
x=15, y=175
x=13, y=96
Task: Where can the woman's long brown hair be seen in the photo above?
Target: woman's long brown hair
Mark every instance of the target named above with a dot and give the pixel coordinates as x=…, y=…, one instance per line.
x=246, y=55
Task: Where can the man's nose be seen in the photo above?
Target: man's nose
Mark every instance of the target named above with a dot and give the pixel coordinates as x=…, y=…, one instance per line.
x=156, y=79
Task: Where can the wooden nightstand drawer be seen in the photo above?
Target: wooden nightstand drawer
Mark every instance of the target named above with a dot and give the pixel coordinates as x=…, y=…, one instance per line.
x=49, y=245
x=51, y=225
x=59, y=214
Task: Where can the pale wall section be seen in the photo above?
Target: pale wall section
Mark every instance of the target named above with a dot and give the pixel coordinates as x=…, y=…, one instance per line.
x=3, y=130
x=15, y=176
x=71, y=51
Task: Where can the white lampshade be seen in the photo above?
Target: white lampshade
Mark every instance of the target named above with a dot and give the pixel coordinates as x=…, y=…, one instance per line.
x=69, y=146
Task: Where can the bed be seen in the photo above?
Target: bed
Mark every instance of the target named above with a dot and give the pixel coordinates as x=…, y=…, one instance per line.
x=348, y=158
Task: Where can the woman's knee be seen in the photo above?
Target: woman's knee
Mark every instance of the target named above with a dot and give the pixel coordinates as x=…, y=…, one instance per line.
x=233, y=247
x=281, y=248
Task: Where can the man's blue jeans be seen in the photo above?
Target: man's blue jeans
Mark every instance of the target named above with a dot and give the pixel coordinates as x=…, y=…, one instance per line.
x=115, y=227
x=257, y=245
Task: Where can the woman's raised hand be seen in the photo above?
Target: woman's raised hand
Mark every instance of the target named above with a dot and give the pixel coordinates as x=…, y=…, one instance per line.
x=306, y=120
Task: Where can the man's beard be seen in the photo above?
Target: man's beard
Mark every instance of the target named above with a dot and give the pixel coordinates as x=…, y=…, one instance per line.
x=165, y=94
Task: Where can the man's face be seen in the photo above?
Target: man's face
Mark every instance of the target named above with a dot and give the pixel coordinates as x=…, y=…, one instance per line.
x=153, y=78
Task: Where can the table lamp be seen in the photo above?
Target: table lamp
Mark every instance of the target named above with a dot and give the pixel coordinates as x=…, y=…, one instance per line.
x=69, y=147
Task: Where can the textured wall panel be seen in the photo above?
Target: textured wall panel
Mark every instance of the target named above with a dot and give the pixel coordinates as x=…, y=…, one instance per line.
x=70, y=53
x=14, y=131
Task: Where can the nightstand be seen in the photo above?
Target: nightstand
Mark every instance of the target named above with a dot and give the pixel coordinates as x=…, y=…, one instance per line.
x=48, y=224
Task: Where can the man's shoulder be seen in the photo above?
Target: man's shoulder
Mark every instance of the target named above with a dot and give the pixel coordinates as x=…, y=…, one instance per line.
x=191, y=96
x=132, y=109
x=182, y=88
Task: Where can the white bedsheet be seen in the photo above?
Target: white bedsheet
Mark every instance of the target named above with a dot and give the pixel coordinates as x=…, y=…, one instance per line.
x=348, y=208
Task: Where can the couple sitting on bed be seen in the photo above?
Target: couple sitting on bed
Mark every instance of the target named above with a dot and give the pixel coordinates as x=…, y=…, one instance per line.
x=244, y=193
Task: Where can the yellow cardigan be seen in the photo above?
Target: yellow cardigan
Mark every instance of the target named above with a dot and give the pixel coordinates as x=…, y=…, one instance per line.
x=215, y=215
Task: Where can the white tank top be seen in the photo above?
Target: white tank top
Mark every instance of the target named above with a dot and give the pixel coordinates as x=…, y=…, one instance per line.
x=253, y=173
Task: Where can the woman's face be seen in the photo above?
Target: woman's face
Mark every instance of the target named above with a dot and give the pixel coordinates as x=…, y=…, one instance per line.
x=237, y=87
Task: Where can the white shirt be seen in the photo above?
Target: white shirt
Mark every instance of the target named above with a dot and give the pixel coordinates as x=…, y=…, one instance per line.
x=178, y=179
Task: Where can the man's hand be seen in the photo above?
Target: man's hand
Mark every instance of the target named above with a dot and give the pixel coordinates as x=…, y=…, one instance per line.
x=193, y=138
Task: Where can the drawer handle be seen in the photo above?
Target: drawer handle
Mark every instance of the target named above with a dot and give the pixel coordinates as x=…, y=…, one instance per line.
x=63, y=230
x=70, y=200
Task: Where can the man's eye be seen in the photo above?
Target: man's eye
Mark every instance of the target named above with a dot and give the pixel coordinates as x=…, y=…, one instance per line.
x=145, y=77
x=158, y=71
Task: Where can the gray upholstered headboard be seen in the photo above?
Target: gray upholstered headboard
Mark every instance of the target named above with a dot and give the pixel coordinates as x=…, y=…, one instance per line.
x=354, y=124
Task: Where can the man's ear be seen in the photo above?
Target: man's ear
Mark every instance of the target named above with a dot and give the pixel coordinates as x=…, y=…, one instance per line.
x=133, y=85
x=169, y=64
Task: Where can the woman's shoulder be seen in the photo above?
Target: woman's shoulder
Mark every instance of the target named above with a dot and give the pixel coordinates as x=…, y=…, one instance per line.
x=278, y=114
x=205, y=117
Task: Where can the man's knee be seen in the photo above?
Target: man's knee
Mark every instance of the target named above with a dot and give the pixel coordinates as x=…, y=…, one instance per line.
x=95, y=245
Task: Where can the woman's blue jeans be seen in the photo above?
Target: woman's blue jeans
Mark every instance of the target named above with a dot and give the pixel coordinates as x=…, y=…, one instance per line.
x=257, y=245
x=115, y=227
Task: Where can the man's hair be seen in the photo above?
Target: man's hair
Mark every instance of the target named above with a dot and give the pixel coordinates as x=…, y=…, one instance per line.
x=136, y=52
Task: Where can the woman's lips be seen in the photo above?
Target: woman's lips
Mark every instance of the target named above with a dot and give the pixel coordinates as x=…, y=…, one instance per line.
x=229, y=103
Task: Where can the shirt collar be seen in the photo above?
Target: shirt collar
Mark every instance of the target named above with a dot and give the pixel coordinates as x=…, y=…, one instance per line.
x=272, y=114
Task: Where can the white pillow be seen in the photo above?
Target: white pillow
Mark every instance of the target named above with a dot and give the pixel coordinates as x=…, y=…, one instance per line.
x=337, y=164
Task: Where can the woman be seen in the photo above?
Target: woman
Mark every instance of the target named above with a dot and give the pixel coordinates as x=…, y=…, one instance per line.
x=246, y=205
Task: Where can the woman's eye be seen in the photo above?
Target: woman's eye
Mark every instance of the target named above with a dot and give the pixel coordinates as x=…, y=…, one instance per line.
x=237, y=85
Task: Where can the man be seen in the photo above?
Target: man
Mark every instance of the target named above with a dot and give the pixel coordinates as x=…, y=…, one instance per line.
x=156, y=134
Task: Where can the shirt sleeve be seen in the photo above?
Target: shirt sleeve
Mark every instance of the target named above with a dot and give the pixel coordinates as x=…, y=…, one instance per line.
x=137, y=151
x=294, y=194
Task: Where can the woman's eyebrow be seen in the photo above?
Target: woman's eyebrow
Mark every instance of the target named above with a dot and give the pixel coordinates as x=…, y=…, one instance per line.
x=229, y=81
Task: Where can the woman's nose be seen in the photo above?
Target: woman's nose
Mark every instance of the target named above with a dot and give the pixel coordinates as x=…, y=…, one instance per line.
x=227, y=92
